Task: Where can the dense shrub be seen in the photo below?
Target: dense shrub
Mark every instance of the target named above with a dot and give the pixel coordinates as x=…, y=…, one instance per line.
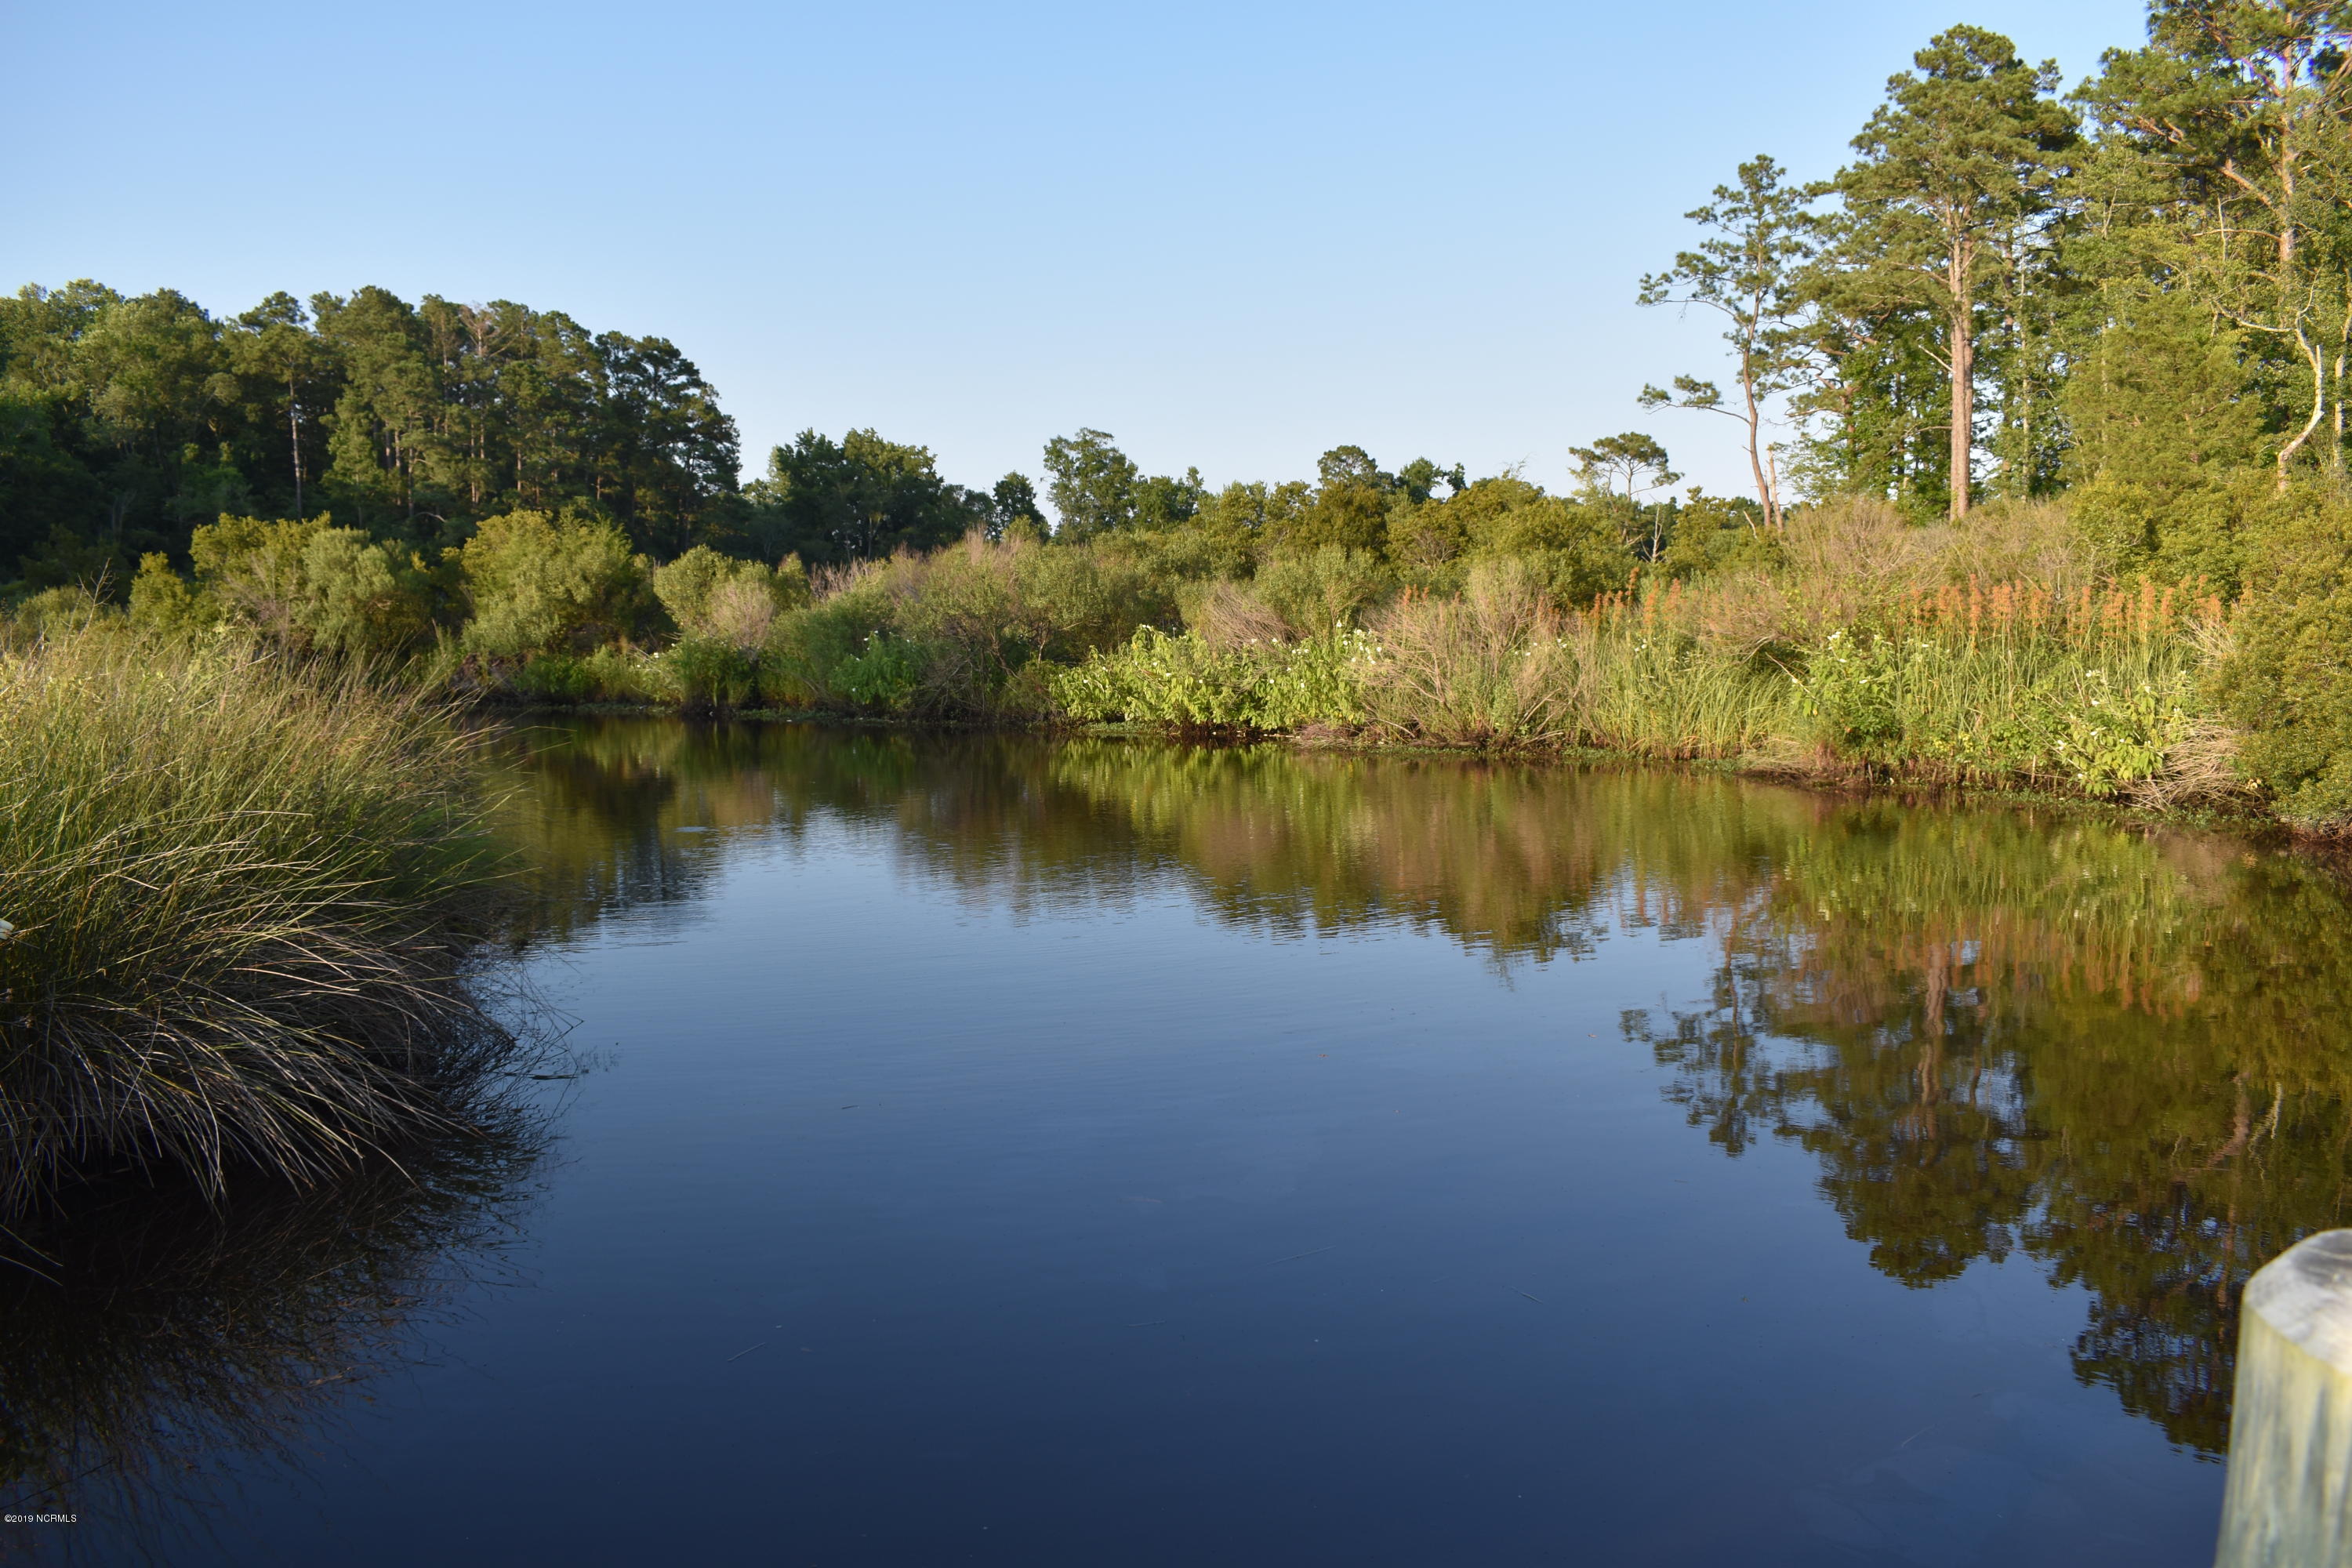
x=968, y=631
x=1576, y=548
x=57, y=611
x=545, y=584
x=1324, y=589
x=304, y=584
x=1849, y=638
x=1982, y=710
x=2288, y=687
x=720, y=597
x=1190, y=684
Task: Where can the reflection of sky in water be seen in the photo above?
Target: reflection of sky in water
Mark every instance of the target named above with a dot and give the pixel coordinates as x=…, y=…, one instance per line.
x=1010, y=1152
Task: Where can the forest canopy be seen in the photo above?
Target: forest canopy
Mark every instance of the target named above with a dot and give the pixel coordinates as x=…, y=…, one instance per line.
x=127, y=421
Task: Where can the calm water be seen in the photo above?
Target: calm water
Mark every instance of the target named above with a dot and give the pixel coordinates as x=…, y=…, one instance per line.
x=997, y=1152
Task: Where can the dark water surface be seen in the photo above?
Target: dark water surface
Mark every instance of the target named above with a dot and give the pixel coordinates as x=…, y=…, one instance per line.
x=1009, y=1152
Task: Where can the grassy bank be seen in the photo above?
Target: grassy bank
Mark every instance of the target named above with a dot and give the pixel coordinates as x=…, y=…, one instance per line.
x=1994, y=685
x=1849, y=645
x=1845, y=641
x=236, y=888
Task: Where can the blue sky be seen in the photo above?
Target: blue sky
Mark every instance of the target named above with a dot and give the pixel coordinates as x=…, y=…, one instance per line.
x=1232, y=234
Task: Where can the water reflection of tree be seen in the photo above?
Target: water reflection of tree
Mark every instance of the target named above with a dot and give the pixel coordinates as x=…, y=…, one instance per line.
x=613, y=815
x=2123, y=1056
x=1519, y=862
x=2120, y=1053
x=167, y=1342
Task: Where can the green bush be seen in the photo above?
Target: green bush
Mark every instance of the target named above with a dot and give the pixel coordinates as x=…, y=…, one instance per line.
x=2096, y=718
x=161, y=601
x=722, y=599
x=1325, y=589
x=956, y=634
x=59, y=612
x=885, y=677
x=362, y=597
x=560, y=678
x=1575, y=546
x=809, y=648
x=1187, y=683
x=2288, y=685
x=542, y=584
x=305, y=584
x=705, y=675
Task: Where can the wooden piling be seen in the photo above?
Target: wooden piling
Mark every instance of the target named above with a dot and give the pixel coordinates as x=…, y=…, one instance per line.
x=2288, y=1502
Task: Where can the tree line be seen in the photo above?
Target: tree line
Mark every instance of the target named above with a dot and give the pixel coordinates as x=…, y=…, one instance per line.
x=125, y=422
x=130, y=424
x=2136, y=292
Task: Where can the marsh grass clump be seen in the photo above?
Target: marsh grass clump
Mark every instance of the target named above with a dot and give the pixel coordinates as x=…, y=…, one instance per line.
x=1867, y=649
x=1486, y=667
x=238, y=891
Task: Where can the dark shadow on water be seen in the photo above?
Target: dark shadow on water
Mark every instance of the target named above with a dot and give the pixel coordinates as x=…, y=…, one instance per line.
x=169, y=1348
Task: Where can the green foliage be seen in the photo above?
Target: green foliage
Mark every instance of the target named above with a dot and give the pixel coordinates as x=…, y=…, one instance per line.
x=2166, y=441
x=1633, y=461
x=126, y=422
x=1577, y=547
x=59, y=612
x=859, y=499
x=362, y=597
x=1330, y=587
x=543, y=584
x=958, y=634
x=1016, y=503
x=1747, y=271
x=1097, y=490
x=1348, y=510
x=1481, y=669
x=1712, y=535
x=2286, y=685
x=705, y=675
x=1189, y=684
x=306, y=584
x=1950, y=207
x=1091, y=483
x=2237, y=120
x=2098, y=720
x=161, y=600
x=556, y=678
x=2201, y=531
x=724, y=600
x=250, y=571
x=884, y=676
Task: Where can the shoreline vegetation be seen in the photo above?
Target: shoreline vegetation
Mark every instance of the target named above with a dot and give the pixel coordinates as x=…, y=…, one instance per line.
x=1849, y=645
x=243, y=894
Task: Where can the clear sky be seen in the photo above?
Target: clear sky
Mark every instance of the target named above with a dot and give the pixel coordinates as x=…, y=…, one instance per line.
x=1234, y=235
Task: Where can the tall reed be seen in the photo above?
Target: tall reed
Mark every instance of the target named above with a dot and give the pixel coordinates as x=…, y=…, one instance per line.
x=236, y=893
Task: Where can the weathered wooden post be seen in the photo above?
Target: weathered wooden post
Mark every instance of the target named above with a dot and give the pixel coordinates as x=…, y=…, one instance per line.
x=2289, y=1498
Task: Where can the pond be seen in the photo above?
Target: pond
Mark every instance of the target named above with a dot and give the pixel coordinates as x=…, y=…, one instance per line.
x=992, y=1150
